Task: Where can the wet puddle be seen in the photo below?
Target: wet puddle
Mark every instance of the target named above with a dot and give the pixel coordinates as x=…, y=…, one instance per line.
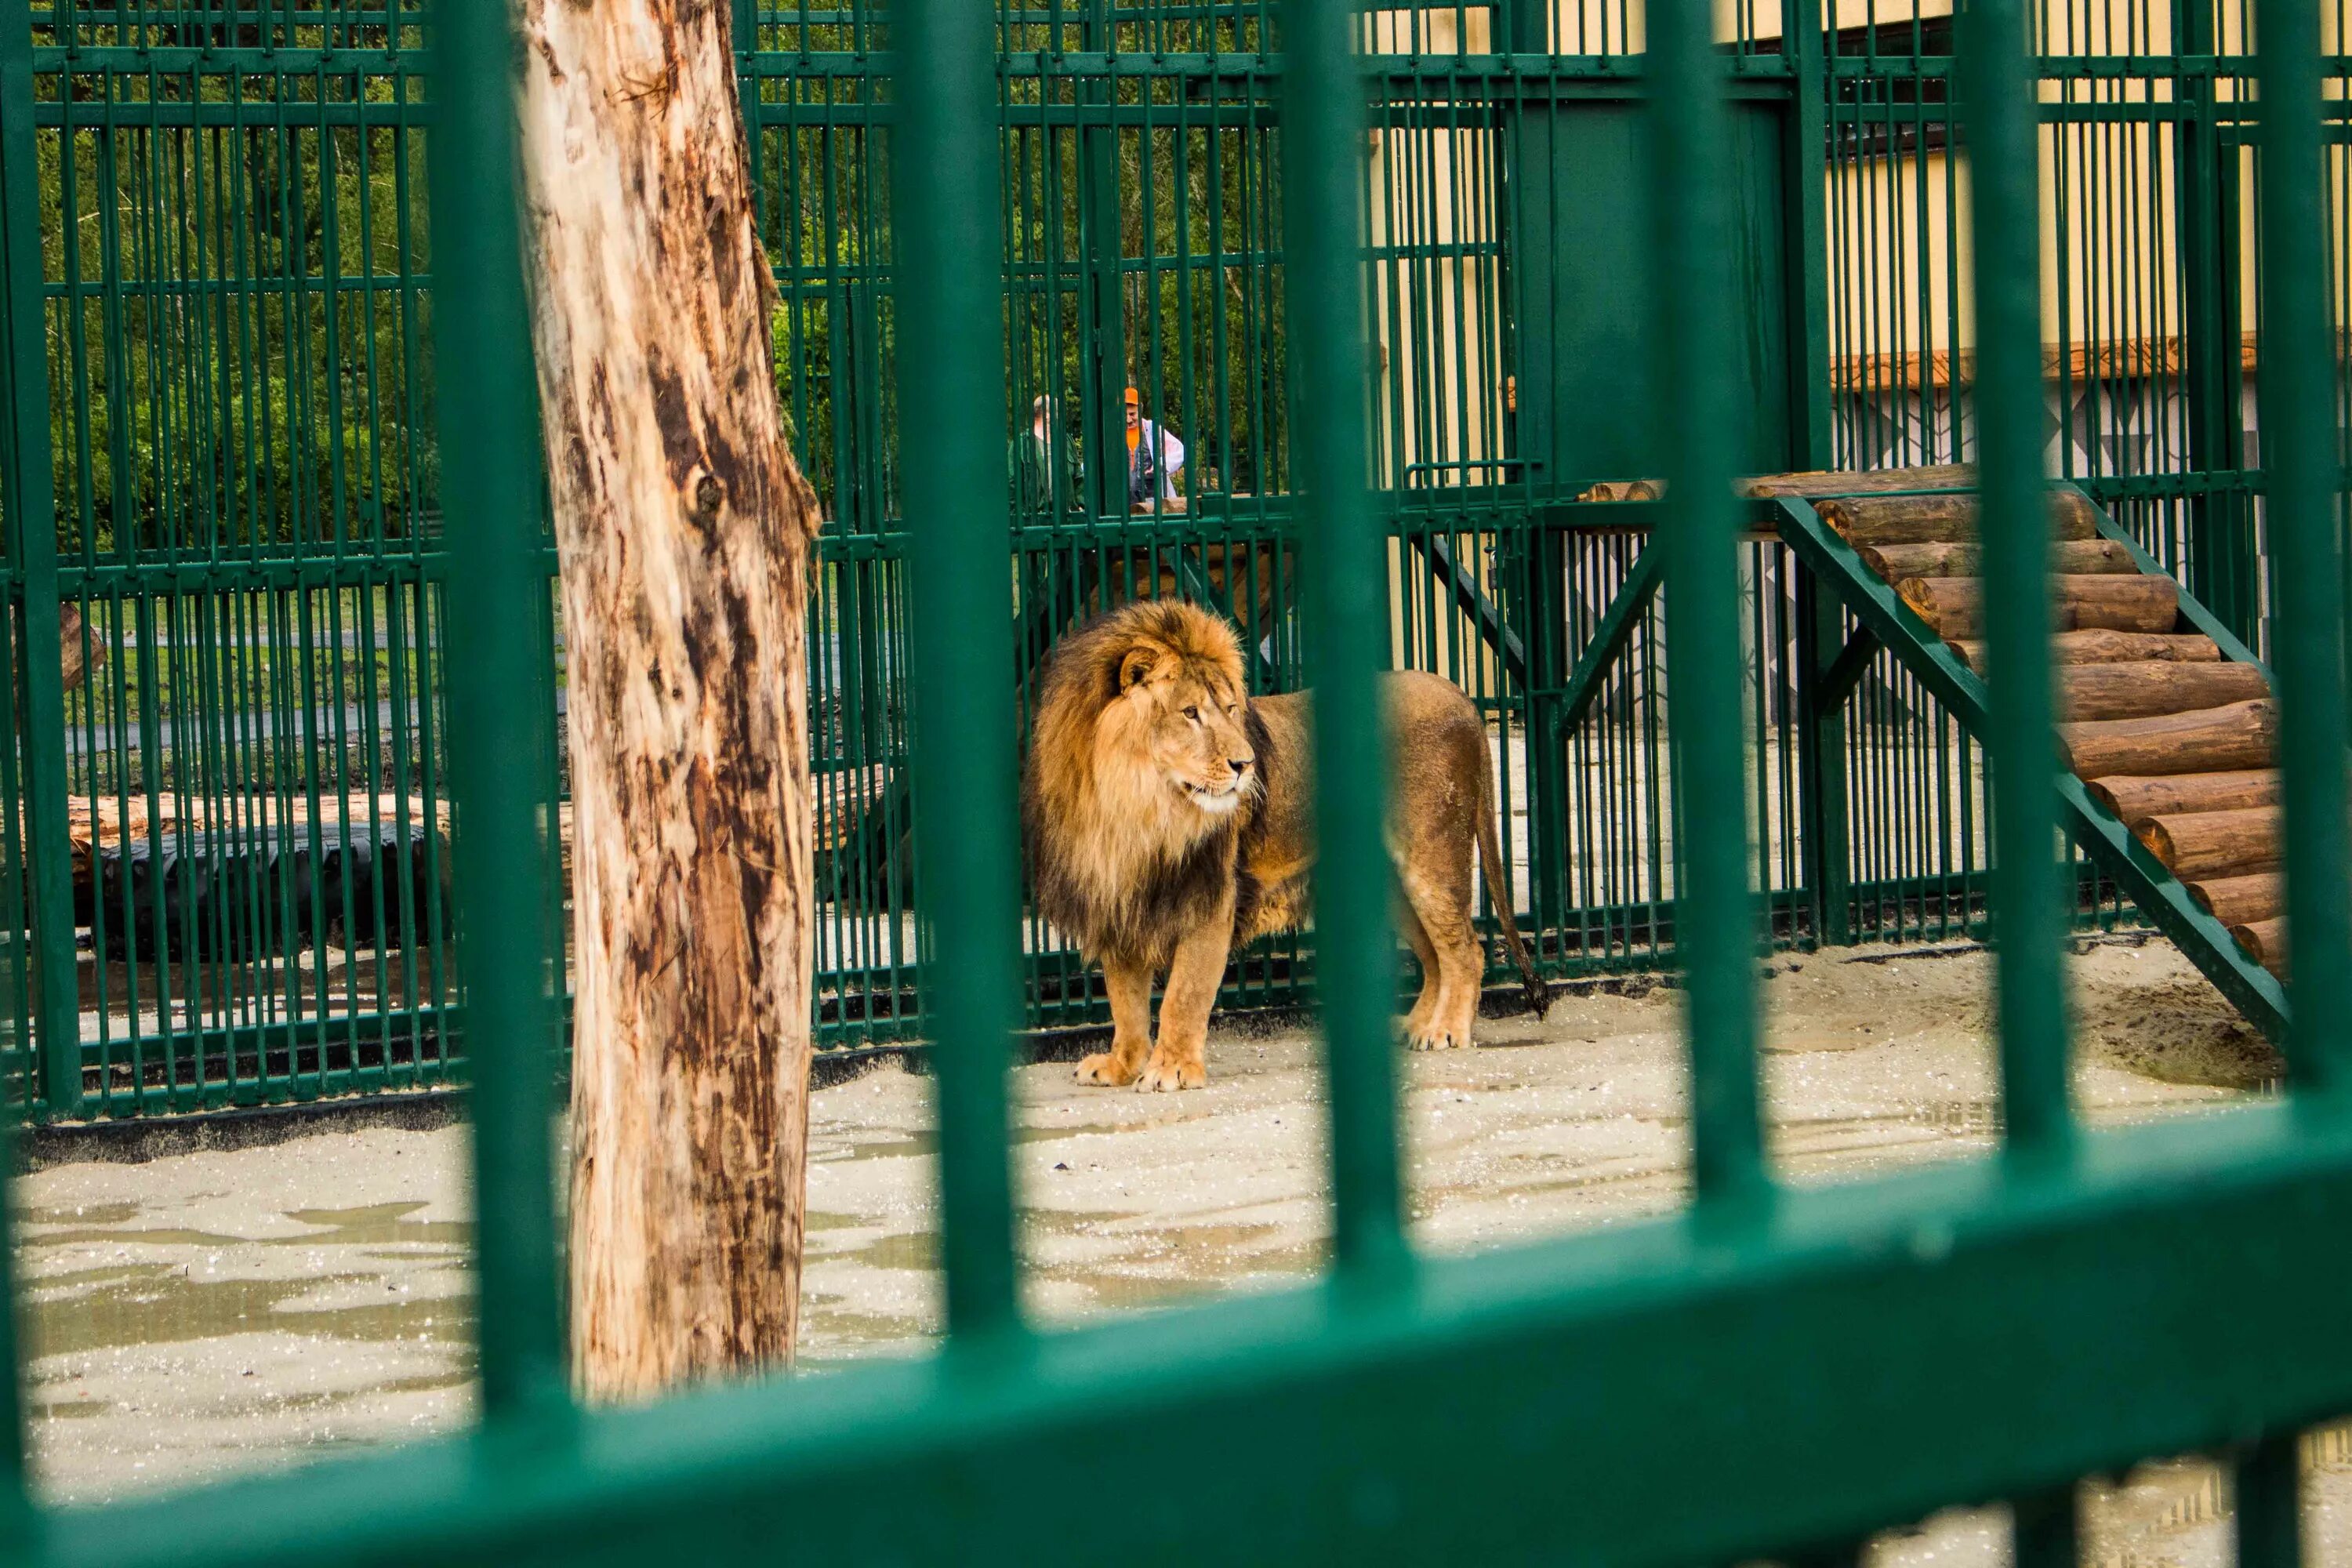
x=160, y=1351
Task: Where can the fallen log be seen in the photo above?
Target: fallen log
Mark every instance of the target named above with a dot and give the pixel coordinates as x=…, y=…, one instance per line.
x=1954, y=606
x=2241, y=900
x=2211, y=740
x=1926, y=520
x=2134, y=800
x=2264, y=941
x=2139, y=690
x=2206, y=845
x=1961, y=558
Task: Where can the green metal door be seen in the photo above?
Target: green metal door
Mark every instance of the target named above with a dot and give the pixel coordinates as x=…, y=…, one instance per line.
x=1586, y=299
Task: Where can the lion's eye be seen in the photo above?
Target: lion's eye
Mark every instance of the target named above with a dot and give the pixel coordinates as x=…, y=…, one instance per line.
x=1193, y=713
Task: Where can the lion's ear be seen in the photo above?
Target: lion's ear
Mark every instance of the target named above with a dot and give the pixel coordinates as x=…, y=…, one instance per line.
x=1138, y=663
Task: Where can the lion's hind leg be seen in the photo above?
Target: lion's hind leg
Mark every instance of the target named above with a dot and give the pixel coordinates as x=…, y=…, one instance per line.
x=1454, y=961
x=1424, y=1007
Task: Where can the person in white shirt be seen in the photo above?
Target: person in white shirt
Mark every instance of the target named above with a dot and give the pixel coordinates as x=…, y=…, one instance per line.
x=1154, y=458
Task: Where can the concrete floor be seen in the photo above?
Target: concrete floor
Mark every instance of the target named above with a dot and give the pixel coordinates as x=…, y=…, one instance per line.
x=220, y=1312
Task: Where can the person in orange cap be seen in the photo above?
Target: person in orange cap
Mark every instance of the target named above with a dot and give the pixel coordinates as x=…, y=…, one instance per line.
x=1154, y=458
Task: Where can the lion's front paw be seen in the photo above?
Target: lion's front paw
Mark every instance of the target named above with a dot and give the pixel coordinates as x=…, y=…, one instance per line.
x=1434, y=1037
x=1173, y=1072
x=1105, y=1067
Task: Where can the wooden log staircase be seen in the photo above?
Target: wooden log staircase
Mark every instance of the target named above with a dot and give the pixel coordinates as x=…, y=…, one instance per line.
x=2167, y=728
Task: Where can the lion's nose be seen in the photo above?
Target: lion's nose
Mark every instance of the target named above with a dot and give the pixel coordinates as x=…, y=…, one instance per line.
x=1239, y=764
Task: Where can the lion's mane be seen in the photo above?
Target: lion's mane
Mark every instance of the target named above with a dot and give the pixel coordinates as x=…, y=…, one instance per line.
x=1115, y=861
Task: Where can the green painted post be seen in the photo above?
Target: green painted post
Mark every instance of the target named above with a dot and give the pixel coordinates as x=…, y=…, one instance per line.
x=1697, y=425
x=1805, y=173
x=2047, y=1532
x=1347, y=584
x=499, y=739
x=1534, y=559
x=1102, y=376
x=2223, y=566
x=2298, y=401
x=2028, y=921
x=945, y=174
x=1822, y=844
x=30, y=514
x=2269, y=1487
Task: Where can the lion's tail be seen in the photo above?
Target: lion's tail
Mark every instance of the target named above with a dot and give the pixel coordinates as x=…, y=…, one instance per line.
x=1490, y=851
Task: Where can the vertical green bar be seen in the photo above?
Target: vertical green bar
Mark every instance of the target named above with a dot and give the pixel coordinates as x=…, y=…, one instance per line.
x=2047, y=1530
x=1697, y=421
x=2024, y=886
x=951, y=324
x=499, y=740
x=27, y=513
x=2297, y=410
x=28, y=509
x=1347, y=586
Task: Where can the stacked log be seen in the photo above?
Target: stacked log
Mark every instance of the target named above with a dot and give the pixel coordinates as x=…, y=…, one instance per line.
x=2179, y=743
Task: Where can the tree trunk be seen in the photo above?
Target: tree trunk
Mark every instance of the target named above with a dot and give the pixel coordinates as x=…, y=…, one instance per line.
x=2241, y=900
x=2110, y=647
x=70, y=649
x=1842, y=481
x=2266, y=943
x=684, y=532
x=2134, y=800
x=1963, y=558
x=2210, y=846
x=2241, y=735
x=2139, y=690
x=1954, y=606
x=1923, y=519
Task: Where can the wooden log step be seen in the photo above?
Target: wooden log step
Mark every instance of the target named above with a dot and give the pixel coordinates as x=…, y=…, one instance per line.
x=2101, y=647
x=1959, y=558
x=2138, y=690
x=1954, y=606
x=2136, y=799
x=2211, y=740
x=1928, y=519
x=1832, y=481
x=2264, y=941
x=2241, y=900
x=2205, y=846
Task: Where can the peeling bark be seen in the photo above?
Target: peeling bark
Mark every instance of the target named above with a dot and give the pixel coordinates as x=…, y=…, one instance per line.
x=685, y=530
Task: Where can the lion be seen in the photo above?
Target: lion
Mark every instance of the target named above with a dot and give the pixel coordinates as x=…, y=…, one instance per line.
x=1167, y=816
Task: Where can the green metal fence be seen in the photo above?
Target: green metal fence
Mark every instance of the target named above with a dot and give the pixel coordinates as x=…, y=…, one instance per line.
x=229, y=836
x=1742, y=1378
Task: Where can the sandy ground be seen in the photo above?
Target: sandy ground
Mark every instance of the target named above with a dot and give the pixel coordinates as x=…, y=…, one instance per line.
x=219, y=1312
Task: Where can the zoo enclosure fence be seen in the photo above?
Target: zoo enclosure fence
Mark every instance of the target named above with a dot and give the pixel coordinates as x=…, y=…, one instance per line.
x=225, y=811
x=1829, y=1359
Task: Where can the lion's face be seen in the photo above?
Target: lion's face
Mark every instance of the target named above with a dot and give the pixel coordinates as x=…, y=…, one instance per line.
x=1185, y=719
